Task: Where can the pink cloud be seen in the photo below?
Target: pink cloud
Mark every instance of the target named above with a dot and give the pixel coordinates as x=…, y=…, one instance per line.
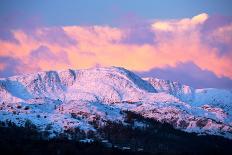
x=223, y=34
x=180, y=25
x=190, y=74
x=163, y=43
x=2, y=66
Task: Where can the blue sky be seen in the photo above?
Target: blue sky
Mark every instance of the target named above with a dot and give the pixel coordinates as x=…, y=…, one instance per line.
x=109, y=12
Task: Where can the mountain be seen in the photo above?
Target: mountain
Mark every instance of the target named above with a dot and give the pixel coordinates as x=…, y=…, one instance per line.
x=57, y=101
x=211, y=99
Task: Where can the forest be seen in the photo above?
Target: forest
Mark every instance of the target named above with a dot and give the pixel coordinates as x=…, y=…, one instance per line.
x=112, y=138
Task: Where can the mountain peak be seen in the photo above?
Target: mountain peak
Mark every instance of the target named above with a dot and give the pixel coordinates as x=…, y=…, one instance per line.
x=105, y=93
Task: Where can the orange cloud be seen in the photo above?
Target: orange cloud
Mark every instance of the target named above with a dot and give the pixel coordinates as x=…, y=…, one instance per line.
x=175, y=41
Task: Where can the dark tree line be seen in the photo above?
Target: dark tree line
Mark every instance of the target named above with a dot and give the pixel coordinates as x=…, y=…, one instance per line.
x=28, y=141
x=156, y=137
x=152, y=138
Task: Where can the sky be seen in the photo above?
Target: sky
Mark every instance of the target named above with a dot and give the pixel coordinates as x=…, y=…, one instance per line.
x=189, y=41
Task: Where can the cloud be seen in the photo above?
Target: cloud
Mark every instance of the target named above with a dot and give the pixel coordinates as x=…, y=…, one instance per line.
x=43, y=58
x=9, y=66
x=137, y=32
x=180, y=25
x=16, y=19
x=190, y=74
x=187, y=41
x=2, y=66
x=216, y=33
x=6, y=35
x=44, y=53
x=52, y=35
x=139, y=47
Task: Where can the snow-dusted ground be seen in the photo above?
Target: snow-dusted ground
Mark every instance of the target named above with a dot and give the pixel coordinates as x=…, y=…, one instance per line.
x=75, y=98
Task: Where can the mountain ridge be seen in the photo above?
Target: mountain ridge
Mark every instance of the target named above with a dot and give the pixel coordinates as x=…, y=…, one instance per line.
x=104, y=93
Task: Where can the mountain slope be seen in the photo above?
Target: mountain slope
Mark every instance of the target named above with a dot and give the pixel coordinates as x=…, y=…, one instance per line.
x=60, y=100
x=211, y=99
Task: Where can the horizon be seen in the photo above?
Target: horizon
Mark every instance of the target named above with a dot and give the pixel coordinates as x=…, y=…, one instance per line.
x=182, y=41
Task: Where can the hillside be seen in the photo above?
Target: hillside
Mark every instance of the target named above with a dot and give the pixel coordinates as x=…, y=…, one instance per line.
x=57, y=101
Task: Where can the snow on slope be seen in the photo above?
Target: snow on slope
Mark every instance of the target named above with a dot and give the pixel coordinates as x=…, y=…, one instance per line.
x=75, y=98
x=218, y=101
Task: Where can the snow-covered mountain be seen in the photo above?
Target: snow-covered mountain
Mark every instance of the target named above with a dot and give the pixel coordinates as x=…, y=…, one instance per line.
x=207, y=97
x=76, y=98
